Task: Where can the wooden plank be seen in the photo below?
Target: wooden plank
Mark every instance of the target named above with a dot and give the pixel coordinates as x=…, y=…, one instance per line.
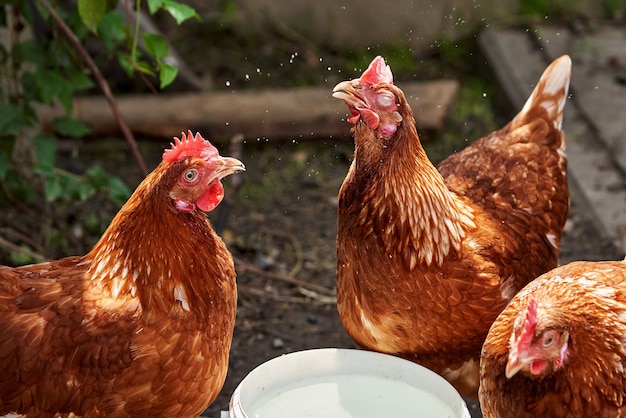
x=295, y=114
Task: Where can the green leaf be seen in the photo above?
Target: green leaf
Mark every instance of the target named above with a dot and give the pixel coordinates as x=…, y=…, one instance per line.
x=180, y=12
x=154, y=5
x=97, y=176
x=53, y=188
x=65, y=96
x=118, y=191
x=91, y=12
x=30, y=51
x=125, y=63
x=168, y=75
x=51, y=84
x=5, y=163
x=113, y=29
x=20, y=258
x=144, y=67
x=45, y=151
x=65, y=125
x=228, y=13
x=85, y=191
x=12, y=119
x=156, y=45
x=71, y=186
x=79, y=80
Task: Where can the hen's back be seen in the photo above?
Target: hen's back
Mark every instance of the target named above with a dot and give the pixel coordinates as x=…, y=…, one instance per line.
x=528, y=151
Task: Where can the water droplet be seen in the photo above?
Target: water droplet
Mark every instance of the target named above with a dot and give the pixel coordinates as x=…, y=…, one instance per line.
x=484, y=94
x=227, y=83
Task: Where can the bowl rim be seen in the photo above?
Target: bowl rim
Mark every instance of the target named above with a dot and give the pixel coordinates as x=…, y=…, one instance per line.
x=310, y=363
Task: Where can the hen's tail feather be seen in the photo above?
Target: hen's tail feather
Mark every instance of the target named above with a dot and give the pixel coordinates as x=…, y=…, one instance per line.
x=550, y=93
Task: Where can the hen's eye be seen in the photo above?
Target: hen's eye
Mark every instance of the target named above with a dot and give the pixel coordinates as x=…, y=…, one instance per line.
x=386, y=99
x=549, y=338
x=190, y=175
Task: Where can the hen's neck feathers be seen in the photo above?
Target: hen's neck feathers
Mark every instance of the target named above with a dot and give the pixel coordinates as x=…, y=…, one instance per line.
x=405, y=200
x=153, y=253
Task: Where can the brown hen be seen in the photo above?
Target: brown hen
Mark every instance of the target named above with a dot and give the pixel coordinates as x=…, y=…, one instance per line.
x=141, y=326
x=559, y=348
x=427, y=258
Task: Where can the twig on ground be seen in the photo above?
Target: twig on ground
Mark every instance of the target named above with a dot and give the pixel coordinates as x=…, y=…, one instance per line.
x=331, y=300
x=24, y=238
x=243, y=267
x=283, y=298
x=38, y=258
x=16, y=202
x=297, y=248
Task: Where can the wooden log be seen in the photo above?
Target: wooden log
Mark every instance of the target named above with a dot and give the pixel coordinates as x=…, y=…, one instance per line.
x=294, y=114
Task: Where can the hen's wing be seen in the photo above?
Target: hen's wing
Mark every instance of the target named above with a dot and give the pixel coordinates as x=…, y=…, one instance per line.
x=52, y=338
x=518, y=173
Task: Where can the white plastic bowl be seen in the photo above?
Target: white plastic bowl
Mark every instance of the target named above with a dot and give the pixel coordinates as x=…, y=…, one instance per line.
x=342, y=383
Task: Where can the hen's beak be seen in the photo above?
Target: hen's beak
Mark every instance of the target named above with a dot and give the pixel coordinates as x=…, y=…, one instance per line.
x=347, y=91
x=513, y=365
x=225, y=166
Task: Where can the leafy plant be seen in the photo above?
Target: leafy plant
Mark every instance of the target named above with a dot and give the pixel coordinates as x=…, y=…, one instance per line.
x=47, y=64
x=542, y=8
x=613, y=9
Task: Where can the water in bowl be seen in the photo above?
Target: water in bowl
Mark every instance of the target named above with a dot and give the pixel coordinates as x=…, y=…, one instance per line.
x=348, y=396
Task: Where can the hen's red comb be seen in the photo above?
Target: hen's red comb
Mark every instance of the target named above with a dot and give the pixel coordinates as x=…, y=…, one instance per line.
x=377, y=72
x=189, y=146
x=528, y=330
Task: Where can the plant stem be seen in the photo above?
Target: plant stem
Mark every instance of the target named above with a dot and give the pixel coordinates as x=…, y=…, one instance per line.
x=102, y=83
x=133, y=51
